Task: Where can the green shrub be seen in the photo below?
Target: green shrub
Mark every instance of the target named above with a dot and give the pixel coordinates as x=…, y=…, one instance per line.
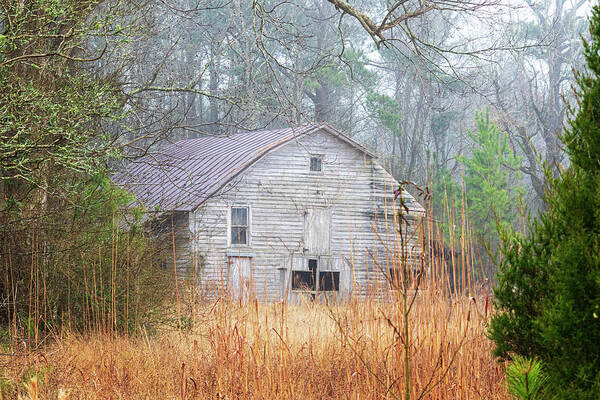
x=91, y=265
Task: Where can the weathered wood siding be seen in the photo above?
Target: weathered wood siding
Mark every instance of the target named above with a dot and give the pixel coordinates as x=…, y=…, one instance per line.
x=351, y=194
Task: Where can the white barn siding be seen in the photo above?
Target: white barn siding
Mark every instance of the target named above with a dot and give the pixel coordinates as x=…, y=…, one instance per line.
x=284, y=196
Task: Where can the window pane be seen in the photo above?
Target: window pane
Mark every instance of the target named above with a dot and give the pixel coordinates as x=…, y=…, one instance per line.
x=303, y=280
x=315, y=163
x=238, y=235
x=239, y=216
x=329, y=281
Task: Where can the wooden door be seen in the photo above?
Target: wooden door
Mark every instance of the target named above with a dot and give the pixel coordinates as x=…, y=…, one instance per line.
x=317, y=227
x=240, y=277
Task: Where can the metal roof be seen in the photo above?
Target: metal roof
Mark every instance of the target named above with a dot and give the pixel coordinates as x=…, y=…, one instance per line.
x=183, y=175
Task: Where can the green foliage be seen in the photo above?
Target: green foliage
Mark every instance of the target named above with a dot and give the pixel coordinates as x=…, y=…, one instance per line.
x=329, y=73
x=96, y=270
x=56, y=128
x=490, y=197
x=67, y=255
x=53, y=109
x=525, y=379
x=549, y=287
x=386, y=111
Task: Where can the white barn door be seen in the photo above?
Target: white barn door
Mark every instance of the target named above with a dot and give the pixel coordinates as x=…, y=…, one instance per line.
x=317, y=223
x=240, y=277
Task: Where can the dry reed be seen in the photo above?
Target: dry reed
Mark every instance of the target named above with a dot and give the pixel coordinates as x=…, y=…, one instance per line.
x=276, y=351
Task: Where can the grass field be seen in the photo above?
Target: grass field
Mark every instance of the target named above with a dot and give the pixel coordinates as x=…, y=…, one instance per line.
x=228, y=350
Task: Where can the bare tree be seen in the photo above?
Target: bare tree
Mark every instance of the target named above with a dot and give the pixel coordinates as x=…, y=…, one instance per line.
x=529, y=88
x=380, y=21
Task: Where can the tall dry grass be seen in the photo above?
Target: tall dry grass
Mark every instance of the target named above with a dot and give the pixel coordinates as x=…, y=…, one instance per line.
x=425, y=341
x=275, y=351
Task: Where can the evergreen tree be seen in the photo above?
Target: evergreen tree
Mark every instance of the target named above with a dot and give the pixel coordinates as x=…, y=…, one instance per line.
x=487, y=177
x=548, y=297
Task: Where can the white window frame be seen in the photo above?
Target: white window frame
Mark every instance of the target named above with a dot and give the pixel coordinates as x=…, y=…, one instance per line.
x=249, y=228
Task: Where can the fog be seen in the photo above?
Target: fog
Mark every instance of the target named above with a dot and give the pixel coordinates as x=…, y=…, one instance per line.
x=405, y=79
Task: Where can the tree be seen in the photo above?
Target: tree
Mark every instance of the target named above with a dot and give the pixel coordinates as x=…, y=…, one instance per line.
x=490, y=193
x=58, y=209
x=490, y=197
x=396, y=13
x=548, y=296
x=50, y=106
x=527, y=89
x=417, y=112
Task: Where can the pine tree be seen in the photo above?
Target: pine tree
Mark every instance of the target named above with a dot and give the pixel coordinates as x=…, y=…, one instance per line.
x=489, y=195
x=548, y=297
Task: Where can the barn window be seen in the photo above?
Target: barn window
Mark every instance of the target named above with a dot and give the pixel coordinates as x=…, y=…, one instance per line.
x=305, y=280
x=316, y=163
x=239, y=225
x=329, y=281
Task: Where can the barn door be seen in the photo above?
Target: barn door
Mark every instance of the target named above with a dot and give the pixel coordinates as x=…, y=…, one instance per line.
x=240, y=277
x=317, y=223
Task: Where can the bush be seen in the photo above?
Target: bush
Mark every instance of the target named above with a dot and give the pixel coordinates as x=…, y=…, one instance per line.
x=89, y=264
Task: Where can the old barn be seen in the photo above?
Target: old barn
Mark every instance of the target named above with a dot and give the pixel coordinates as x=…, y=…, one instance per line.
x=279, y=213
